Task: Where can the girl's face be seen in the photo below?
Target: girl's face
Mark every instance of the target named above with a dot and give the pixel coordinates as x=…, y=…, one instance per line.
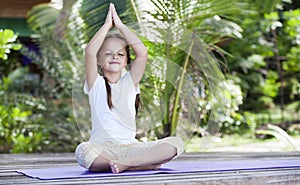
x=113, y=56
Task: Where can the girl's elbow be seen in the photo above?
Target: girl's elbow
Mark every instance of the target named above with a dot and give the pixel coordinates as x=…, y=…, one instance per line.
x=89, y=49
x=89, y=52
x=142, y=57
x=144, y=54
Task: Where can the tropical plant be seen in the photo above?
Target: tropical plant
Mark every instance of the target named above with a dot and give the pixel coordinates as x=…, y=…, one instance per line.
x=264, y=61
x=185, y=25
x=181, y=25
x=8, y=42
x=16, y=109
x=279, y=134
x=57, y=57
x=181, y=84
x=190, y=32
x=59, y=52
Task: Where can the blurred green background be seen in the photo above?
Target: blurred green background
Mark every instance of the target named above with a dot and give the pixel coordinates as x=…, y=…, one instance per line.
x=256, y=45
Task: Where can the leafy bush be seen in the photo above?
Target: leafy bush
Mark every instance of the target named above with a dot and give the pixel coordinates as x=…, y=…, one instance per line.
x=266, y=63
x=29, y=124
x=7, y=39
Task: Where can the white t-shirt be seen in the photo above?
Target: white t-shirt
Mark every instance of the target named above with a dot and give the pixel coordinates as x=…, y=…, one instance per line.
x=116, y=124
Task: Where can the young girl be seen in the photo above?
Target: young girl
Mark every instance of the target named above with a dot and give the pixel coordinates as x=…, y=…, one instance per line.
x=113, y=99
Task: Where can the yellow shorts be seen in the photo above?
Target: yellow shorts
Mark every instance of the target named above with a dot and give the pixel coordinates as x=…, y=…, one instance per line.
x=87, y=152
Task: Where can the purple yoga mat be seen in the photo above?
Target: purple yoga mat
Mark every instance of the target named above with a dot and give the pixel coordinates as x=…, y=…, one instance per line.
x=171, y=168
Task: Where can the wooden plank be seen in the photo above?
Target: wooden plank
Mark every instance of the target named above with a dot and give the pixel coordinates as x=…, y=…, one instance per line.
x=9, y=163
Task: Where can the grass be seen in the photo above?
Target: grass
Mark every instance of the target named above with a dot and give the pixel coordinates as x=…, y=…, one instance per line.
x=273, y=115
x=247, y=142
x=239, y=144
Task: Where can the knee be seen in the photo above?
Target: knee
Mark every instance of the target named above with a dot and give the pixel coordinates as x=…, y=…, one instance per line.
x=170, y=149
x=81, y=149
x=81, y=153
x=86, y=153
x=177, y=143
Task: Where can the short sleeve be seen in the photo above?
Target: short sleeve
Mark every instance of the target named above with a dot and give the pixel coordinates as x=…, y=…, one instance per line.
x=137, y=89
x=85, y=87
x=95, y=86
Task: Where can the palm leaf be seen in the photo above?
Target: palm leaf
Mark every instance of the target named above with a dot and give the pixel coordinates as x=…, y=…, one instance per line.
x=175, y=113
x=94, y=13
x=170, y=20
x=42, y=17
x=279, y=134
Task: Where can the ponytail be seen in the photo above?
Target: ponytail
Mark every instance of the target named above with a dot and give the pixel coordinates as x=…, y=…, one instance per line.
x=108, y=92
x=108, y=89
x=109, y=101
x=137, y=104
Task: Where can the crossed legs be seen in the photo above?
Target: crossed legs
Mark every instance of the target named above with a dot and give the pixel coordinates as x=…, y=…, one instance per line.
x=151, y=159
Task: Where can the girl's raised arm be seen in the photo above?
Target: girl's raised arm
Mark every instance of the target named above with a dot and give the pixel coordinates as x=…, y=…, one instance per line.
x=92, y=48
x=141, y=53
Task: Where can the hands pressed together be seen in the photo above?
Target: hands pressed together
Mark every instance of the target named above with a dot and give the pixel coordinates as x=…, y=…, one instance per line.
x=112, y=18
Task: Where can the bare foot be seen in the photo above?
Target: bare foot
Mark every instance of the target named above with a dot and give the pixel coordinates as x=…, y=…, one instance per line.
x=117, y=167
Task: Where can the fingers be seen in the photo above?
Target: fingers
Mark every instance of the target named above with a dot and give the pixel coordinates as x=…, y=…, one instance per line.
x=111, y=7
x=116, y=19
x=108, y=19
x=113, y=10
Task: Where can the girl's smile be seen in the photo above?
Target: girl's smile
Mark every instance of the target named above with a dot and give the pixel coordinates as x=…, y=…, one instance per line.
x=114, y=63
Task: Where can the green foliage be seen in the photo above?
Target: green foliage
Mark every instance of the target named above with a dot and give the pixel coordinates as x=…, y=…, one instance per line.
x=208, y=21
x=17, y=114
x=29, y=124
x=293, y=25
x=11, y=124
x=27, y=144
x=254, y=56
x=57, y=57
x=266, y=63
x=42, y=17
x=271, y=86
x=233, y=122
x=94, y=13
x=260, y=40
x=292, y=30
x=7, y=43
x=293, y=60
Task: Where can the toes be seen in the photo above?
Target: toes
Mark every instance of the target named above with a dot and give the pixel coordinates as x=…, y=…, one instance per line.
x=114, y=167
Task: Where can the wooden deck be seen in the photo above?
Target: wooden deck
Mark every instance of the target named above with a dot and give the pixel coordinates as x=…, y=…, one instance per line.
x=10, y=162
